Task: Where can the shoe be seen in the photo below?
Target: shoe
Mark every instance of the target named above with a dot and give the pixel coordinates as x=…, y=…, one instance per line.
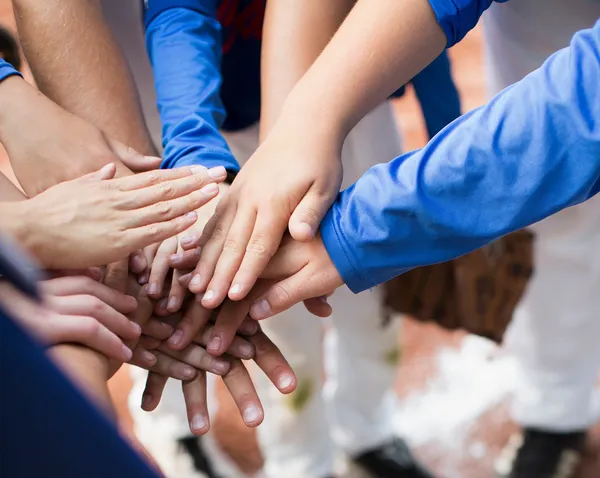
x=9, y=48
x=191, y=444
x=391, y=460
x=541, y=454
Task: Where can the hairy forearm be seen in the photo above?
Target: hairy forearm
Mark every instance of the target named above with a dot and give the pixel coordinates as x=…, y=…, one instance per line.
x=78, y=64
x=294, y=35
x=380, y=46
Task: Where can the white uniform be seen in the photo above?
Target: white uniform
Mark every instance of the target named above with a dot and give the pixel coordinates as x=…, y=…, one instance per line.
x=353, y=411
x=555, y=334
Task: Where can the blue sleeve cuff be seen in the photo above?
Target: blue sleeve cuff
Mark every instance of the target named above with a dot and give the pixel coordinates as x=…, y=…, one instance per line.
x=458, y=17
x=6, y=70
x=152, y=8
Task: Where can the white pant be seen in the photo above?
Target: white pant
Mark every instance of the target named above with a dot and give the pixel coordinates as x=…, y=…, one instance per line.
x=555, y=334
x=355, y=408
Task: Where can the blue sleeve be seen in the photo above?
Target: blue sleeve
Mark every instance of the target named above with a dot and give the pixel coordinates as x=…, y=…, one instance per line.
x=437, y=94
x=532, y=151
x=183, y=39
x=458, y=17
x=6, y=70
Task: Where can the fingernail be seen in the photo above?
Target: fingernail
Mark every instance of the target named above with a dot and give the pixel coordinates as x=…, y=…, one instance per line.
x=175, y=339
x=215, y=344
x=284, y=382
x=198, y=251
x=191, y=215
x=196, y=280
x=173, y=304
x=185, y=278
x=153, y=289
x=188, y=372
x=220, y=368
x=246, y=350
x=248, y=328
x=127, y=353
x=260, y=309
x=210, y=189
x=143, y=279
x=209, y=294
x=149, y=357
x=146, y=400
x=187, y=240
x=136, y=329
x=198, y=169
x=176, y=258
x=235, y=289
x=251, y=414
x=217, y=172
x=198, y=422
x=162, y=304
x=306, y=229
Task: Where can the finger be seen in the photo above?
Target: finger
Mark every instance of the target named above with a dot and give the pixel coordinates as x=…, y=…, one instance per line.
x=94, y=273
x=229, y=318
x=272, y=362
x=151, y=181
x=171, y=209
x=239, y=348
x=160, y=267
x=318, y=306
x=157, y=329
x=305, y=220
x=155, y=385
x=171, y=367
x=194, y=394
x=185, y=259
x=143, y=358
x=191, y=239
x=90, y=306
x=177, y=292
x=197, y=358
x=291, y=256
x=149, y=254
x=141, y=237
x=107, y=171
x=244, y=395
x=263, y=244
x=194, y=318
x=230, y=258
x=185, y=279
x=212, y=246
x=149, y=343
x=137, y=262
x=89, y=332
x=286, y=293
x=68, y=286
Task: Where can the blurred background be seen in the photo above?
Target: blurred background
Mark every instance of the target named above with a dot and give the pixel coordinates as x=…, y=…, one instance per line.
x=455, y=390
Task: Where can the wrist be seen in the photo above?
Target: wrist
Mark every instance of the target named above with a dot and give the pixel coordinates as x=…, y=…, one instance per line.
x=13, y=214
x=12, y=94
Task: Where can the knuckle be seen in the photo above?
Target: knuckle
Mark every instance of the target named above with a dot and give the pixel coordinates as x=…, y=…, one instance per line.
x=281, y=294
x=231, y=245
x=153, y=178
x=153, y=230
x=163, y=208
x=310, y=214
x=90, y=328
x=258, y=247
x=166, y=190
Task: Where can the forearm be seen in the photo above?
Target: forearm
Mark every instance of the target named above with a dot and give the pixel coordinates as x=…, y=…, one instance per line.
x=184, y=45
x=77, y=63
x=88, y=369
x=379, y=47
x=294, y=35
x=532, y=151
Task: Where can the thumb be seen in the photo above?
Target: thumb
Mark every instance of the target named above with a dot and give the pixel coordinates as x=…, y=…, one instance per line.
x=132, y=159
x=307, y=216
x=106, y=172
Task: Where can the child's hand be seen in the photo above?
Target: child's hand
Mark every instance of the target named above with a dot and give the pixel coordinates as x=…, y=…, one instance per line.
x=287, y=183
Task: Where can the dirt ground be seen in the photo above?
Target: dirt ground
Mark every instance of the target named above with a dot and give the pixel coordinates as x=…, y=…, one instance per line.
x=426, y=380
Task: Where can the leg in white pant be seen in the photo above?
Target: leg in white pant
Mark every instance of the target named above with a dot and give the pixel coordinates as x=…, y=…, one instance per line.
x=556, y=331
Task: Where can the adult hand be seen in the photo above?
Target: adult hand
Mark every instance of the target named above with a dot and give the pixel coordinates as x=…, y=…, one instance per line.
x=267, y=356
x=95, y=220
x=286, y=183
x=72, y=314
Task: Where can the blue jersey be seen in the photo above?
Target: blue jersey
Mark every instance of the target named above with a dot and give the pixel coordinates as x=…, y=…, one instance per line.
x=206, y=60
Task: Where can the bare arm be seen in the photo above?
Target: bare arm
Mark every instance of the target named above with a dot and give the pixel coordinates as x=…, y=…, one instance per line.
x=78, y=64
x=381, y=45
x=294, y=35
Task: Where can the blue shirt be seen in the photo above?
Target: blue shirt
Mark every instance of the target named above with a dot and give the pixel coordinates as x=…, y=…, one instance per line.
x=533, y=150
x=6, y=70
x=206, y=60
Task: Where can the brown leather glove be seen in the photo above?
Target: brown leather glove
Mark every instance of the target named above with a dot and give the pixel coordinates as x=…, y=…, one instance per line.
x=477, y=292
